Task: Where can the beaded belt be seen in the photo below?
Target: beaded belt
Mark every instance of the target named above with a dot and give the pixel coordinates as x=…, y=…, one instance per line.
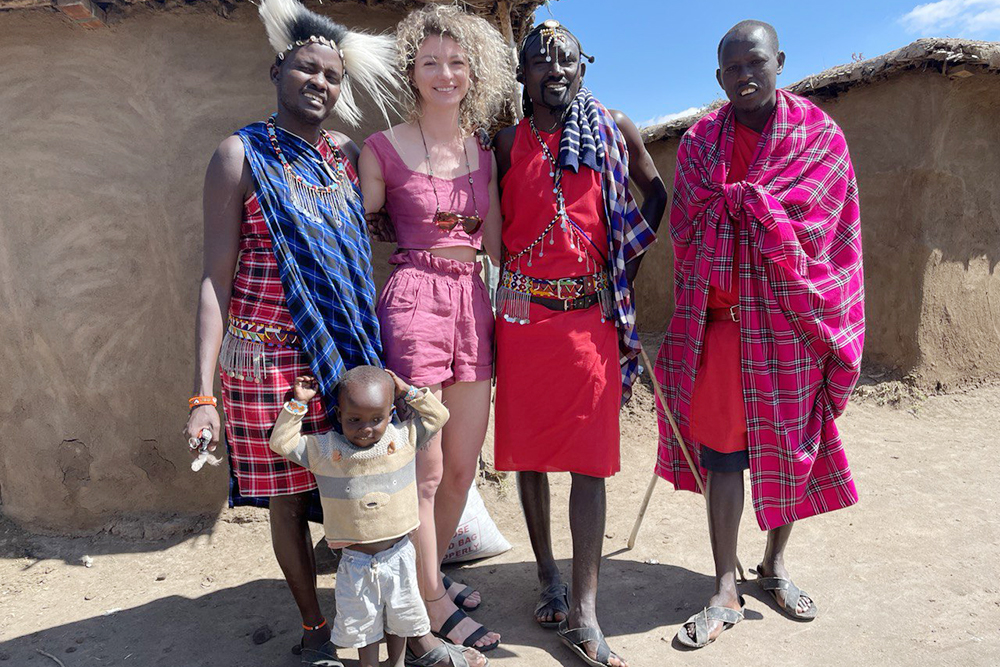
x=262, y=333
x=517, y=291
x=244, y=348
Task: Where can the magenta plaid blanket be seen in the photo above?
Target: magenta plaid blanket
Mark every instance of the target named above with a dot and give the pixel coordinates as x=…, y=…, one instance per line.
x=801, y=300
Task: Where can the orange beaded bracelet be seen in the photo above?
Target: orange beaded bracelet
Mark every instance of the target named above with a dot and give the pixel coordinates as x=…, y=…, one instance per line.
x=195, y=401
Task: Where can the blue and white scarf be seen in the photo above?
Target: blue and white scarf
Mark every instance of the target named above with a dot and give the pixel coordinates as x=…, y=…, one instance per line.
x=590, y=138
x=324, y=262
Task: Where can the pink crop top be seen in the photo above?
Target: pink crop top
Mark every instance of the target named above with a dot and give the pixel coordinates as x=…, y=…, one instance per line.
x=410, y=203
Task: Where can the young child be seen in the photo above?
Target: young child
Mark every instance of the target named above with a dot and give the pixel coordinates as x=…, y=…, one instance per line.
x=367, y=485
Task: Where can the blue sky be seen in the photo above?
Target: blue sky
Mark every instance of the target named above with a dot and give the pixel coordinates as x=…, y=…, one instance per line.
x=657, y=57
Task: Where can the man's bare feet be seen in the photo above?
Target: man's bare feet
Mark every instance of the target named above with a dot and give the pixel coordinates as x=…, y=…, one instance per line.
x=441, y=610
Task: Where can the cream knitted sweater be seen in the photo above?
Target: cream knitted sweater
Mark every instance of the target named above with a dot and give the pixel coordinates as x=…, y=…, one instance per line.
x=369, y=494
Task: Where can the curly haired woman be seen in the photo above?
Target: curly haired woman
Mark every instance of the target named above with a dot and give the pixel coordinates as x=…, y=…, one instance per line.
x=439, y=189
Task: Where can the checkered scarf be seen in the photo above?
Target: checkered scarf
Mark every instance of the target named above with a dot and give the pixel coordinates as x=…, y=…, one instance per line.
x=590, y=138
x=325, y=267
x=801, y=300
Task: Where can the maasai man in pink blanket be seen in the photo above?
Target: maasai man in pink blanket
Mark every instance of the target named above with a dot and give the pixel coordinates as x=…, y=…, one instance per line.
x=764, y=346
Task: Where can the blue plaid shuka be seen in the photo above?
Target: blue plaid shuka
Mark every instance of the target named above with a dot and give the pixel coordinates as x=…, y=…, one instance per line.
x=591, y=139
x=324, y=260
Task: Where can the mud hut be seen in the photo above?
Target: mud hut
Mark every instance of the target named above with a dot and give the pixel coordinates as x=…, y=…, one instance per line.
x=922, y=127
x=112, y=110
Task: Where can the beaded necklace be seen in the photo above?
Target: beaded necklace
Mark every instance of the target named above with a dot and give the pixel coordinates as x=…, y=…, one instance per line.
x=307, y=197
x=577, y=240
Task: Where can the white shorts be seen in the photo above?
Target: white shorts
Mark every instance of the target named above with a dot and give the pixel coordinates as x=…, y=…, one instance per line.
x=378, y=594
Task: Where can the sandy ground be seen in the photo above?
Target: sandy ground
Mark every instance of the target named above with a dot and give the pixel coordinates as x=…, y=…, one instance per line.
x=908, y=577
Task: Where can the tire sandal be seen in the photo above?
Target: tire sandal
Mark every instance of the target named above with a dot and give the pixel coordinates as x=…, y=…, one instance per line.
x=324, y=656
x=793, y=595
x=575, y=639
x=728, y=617
x=460, y=599
x=474, y=636
x=555, y=597
x=443, y=655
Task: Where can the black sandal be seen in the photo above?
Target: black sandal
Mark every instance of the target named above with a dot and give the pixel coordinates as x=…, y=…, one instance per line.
x=460, y=599
x=474, y=636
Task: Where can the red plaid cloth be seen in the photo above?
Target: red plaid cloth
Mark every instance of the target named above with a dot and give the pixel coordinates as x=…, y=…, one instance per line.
x=801, y=301
x=251, y=408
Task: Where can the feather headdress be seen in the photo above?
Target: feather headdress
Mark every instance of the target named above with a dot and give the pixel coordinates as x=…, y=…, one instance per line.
x=369, y=60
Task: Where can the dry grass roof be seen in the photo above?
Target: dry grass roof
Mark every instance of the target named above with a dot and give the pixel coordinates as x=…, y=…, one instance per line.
x=952, y=57
x=521, y=11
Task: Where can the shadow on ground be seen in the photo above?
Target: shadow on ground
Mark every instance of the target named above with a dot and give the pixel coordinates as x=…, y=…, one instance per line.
x=218, y=628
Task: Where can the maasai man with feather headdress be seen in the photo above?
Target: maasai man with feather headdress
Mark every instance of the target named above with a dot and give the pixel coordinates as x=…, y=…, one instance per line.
x=764, y=346
x=287, y=287
x=567, y=348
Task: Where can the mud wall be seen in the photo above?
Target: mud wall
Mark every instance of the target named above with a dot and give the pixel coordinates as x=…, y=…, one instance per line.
x=924, y=148
x=107, y=134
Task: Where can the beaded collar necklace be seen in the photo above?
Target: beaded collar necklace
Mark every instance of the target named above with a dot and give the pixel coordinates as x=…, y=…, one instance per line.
x=307, y=197
x=577, y=240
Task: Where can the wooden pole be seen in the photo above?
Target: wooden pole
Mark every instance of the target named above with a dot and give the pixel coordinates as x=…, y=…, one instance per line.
x=687, y=457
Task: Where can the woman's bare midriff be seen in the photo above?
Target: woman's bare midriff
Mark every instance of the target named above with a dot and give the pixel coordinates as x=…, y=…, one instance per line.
x=459, y=253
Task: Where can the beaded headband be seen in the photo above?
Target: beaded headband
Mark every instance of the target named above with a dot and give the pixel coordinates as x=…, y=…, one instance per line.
x=313, y=39
x=551, y=33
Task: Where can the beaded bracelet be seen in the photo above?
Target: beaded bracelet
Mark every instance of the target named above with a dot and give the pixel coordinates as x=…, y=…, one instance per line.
x=411, y=393
x=196, y=401
x=296, y=407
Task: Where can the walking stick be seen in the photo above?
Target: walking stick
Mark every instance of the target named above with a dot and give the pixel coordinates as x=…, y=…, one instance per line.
x=684, y=451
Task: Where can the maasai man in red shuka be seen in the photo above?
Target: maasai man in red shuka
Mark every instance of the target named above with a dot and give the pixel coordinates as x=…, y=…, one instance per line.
x=566, y=345
x=764, y=346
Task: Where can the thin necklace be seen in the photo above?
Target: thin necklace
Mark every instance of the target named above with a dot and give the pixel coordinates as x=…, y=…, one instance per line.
x=430, y=173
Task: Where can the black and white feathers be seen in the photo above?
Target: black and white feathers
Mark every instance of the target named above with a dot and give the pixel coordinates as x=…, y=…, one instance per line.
x=369, y=60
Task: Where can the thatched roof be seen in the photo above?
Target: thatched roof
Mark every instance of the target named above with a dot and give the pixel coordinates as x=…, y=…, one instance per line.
x=951, y=57
x=521, y=12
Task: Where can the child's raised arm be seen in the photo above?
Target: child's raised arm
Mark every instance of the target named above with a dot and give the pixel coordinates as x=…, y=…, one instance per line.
x=286, y=436
x=431, y=416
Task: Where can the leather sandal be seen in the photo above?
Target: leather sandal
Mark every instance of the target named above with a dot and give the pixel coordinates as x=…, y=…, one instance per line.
x=463, y=595
x=728, y=617
x=575, y=639
x=792, y=593
x=442, y=655
x=324, y=656
x=556, y=598
x=473, y=637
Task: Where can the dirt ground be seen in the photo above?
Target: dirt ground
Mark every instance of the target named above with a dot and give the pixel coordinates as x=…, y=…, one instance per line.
x=908, y=577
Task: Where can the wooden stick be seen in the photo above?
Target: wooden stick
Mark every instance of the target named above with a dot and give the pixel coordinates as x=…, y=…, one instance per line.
x=687, y=457
x=673, y=424
x=49, y=655
x=642, y=510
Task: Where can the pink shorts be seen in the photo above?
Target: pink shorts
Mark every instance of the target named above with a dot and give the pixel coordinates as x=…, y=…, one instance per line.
x=436, y=320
